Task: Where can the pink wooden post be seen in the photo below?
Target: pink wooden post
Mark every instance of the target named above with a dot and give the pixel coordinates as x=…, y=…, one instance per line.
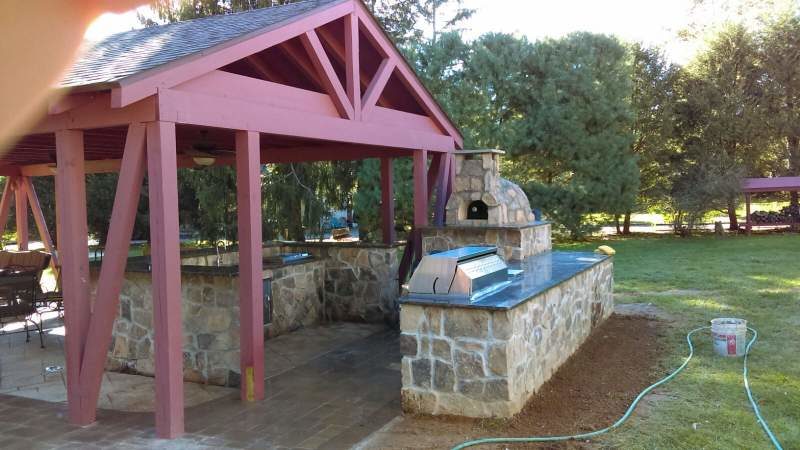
x=251, y=309
x=442, y=195
x=21, y=211
x=165, y=263
x=41, y=224
x=112, y=272
x=74, y=252
x=5, y=203
x=387, y=200
x=420, y=199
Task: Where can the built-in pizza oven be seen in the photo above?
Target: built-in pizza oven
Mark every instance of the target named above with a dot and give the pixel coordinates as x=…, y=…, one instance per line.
x=481, y=197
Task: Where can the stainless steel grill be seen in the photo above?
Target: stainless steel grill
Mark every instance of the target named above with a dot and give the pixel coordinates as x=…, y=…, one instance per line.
x=465, y=273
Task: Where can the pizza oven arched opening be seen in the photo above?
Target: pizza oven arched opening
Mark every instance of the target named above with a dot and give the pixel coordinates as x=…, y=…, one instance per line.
x=478, y=210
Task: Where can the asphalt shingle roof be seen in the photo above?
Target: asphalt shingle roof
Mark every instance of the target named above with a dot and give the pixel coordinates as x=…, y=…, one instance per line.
x=124, y=54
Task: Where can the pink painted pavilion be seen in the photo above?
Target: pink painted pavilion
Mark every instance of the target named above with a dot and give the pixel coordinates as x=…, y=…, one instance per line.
x=311, y=81
x=752, y=186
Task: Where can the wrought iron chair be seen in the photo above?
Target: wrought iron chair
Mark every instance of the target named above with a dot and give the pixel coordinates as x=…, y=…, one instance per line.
x=19, y=289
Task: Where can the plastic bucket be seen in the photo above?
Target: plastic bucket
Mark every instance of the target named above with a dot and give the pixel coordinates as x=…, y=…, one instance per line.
x=729, y=336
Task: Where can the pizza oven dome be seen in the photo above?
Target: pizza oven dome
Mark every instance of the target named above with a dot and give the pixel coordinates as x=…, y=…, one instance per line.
x=481, y=197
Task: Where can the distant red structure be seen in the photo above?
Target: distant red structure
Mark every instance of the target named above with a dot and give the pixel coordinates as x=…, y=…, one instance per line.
x=777, y=184
x=311, y=81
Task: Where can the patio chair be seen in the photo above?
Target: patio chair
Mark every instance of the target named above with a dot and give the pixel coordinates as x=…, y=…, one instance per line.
x=19, y=288
x=52, y=300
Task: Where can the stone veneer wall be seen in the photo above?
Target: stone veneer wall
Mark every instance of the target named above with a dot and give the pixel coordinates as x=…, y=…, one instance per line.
x=487, y=363
x=513, y=243
x=210, y=319
x=360, y=279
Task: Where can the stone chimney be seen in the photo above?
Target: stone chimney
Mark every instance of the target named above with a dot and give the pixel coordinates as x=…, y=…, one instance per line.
x=481, y=197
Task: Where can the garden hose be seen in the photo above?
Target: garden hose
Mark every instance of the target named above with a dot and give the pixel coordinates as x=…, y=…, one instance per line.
x=627, y=415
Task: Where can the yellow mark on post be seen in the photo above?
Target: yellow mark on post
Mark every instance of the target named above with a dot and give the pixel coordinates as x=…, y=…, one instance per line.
x=249, y=375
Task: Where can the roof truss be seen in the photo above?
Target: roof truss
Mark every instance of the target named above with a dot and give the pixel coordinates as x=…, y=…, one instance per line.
x=354, y=97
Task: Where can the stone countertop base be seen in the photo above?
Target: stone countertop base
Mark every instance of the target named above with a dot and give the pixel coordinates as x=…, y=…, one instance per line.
x=488, y=361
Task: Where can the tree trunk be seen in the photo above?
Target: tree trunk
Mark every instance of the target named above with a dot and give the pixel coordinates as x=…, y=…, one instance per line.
x=734, y=223
x=626, y=225
x=793, y=148
x=616, y=223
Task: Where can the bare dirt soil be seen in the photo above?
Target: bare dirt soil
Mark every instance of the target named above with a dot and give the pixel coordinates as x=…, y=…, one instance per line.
x=590, y=391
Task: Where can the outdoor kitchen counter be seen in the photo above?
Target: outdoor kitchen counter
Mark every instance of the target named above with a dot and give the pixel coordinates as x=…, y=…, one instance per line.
x=539, y=273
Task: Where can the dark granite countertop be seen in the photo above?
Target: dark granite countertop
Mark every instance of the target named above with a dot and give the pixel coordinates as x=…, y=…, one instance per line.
x=540, y=273
x=142, y=264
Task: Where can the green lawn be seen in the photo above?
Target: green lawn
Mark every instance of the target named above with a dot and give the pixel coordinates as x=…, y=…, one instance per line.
x=696, y=279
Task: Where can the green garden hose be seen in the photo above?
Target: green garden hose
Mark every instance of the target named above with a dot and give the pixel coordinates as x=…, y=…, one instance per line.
x=627, y=415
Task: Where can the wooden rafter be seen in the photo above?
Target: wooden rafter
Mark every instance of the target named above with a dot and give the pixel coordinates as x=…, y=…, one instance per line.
x=296, y=56
x=263, y=69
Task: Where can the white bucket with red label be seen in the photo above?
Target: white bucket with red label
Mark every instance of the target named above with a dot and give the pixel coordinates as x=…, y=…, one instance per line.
x=729, y=336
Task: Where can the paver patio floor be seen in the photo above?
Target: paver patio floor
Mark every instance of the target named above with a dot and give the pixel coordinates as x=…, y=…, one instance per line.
x=328, y=388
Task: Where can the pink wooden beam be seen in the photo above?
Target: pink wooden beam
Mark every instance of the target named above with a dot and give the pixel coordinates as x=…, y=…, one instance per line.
x=326, y=73
x=5, y=203
x=352, y=64
x=67, y=102
x=115, y=257
x=420, y=198
x=387, y=200
x=376, y=86
x=41, y=223
x=251, y=307
x=73, y=246
x=442, y=195
x=97, y=113
x=21, y=214
x=165, y=262
x=216, y=111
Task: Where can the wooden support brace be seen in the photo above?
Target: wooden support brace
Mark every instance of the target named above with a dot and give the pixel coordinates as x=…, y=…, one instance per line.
x=162, y=174
x=5, y=203
x=327, y=74
x=41, y=224
x=376, y=87
x=115, y=257
x=420, y=199
x=251, y=307
x=442, y=178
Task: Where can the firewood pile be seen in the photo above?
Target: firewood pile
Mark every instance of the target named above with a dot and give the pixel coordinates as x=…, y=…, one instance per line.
x=786, y=215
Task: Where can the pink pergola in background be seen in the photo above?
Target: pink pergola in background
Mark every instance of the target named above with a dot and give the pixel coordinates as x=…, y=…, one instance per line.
x=311, y=81
x=777, y=184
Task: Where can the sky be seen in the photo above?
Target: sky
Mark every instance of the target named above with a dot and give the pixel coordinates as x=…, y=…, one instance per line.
x=653, y=22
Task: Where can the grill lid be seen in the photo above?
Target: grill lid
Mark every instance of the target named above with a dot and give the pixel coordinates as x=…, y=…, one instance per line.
x=461, y=273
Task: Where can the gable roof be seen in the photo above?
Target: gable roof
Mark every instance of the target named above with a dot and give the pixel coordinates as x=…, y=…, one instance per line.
x=131, y=52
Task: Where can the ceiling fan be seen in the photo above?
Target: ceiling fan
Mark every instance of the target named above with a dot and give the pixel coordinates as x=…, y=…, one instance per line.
x=204, y=152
